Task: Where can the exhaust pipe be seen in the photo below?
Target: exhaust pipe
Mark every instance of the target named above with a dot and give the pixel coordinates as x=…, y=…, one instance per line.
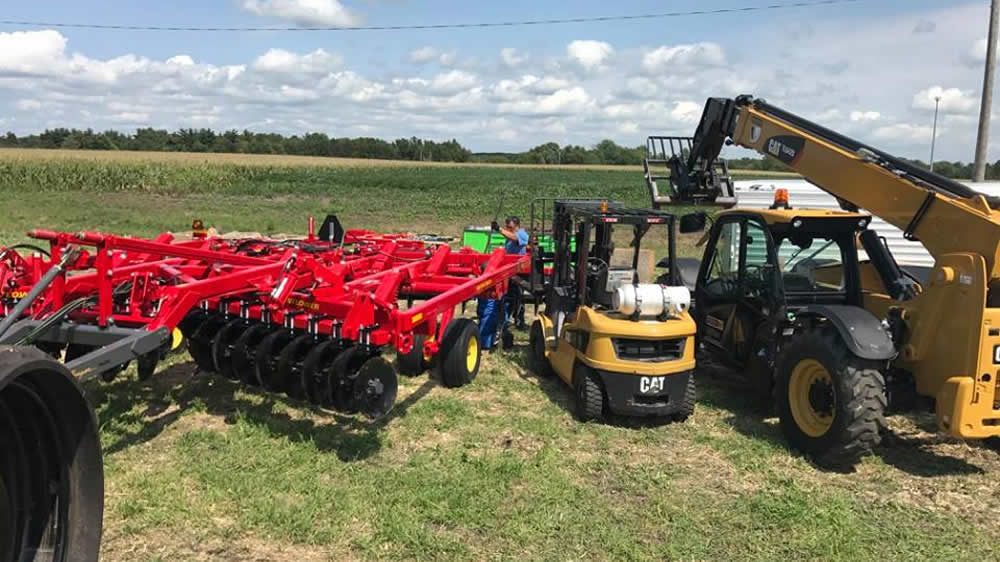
x=51, y=475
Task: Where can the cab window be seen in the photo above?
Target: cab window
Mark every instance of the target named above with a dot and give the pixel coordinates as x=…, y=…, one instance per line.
x=722, y=278
x=811, y=265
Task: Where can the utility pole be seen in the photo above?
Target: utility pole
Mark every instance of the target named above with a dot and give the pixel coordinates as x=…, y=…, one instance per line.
x=937, y=102
x=979, y=172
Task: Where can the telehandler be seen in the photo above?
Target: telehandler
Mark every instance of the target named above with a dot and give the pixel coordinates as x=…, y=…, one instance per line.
x=623, y=346
x=835, y=340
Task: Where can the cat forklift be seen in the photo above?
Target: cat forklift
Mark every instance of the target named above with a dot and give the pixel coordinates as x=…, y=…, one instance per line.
x=623, y=346
x=833, y=339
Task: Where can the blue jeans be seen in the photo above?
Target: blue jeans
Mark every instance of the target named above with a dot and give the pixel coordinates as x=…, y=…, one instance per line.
x=488, y=311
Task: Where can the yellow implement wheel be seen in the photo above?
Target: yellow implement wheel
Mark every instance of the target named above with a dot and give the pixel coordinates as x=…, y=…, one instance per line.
x=472, y=354
x=811, y=397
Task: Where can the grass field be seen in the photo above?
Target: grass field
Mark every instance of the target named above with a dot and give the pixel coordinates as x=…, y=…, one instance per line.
x=198, y=468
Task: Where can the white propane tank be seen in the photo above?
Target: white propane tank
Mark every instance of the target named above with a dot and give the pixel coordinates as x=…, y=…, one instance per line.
x=651, y=299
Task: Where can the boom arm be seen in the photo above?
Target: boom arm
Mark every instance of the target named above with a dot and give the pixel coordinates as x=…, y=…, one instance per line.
x=946, y=216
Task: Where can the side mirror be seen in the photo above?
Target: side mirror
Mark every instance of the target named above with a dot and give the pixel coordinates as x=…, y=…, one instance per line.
x=693, y=222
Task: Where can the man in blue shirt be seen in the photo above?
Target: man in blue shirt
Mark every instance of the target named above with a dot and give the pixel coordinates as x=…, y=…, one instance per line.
x=517, y=243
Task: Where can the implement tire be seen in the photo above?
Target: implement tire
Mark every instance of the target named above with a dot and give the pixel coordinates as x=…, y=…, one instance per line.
x=461, y=353
x=413, y=364
x=51, y=476
x=831, y=403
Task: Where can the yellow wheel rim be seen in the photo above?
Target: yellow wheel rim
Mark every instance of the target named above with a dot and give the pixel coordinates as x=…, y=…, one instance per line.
x=811, y=398
x=472, y=354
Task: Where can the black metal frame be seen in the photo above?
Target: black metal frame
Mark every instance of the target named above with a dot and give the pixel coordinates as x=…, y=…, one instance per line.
x=574, y=220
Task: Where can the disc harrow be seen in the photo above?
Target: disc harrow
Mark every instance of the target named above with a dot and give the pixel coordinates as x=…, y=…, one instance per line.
x=310, y=317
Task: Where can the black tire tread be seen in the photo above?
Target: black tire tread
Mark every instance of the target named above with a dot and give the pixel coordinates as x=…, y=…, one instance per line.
x=536, y=349
x=412, y=364
x=687, y=405
x=866, y=400
x=589, y=395
x=454, y=372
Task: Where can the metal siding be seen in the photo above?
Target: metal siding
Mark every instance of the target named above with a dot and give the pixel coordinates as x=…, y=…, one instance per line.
x=759, y=194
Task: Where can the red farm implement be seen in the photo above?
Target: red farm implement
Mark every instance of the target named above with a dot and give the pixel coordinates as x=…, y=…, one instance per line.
x=307, y=317
x=310, y=317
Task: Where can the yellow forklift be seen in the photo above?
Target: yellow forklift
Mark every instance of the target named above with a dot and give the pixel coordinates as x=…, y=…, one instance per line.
x=623, y=346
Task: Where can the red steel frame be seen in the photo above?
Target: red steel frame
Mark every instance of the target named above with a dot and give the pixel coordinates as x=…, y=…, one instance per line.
x=350, y=290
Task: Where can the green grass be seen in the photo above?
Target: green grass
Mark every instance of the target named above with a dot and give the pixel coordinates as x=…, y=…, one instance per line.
x=201, y=468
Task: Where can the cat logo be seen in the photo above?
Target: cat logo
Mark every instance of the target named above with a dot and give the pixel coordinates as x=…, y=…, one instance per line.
x=651, y=385
x=16, y=295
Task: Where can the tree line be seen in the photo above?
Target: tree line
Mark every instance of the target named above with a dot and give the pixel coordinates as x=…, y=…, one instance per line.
x=606, y=152
x=245, y=142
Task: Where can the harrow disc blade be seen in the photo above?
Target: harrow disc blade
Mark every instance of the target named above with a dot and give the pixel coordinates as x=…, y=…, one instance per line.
x=191, y=321
x=222, y=347
x=266, y=358
x=290, y=365
x=375, y=388
x=200, y=343
x=316, y=372
x=343, y=371
x=244, y=354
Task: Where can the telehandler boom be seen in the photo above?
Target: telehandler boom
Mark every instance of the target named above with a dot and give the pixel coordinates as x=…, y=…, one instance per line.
x=946, y=330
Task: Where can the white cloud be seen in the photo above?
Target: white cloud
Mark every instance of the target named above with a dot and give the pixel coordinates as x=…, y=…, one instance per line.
x=30, y=51
x=511, y=57
x=976, y=54
x=280, y=60
x=628, y=127
x=589, y=54
x=28, y=105
x=447, y=59
x=905, y=133
x=687, y=111
x=453, y=81
x=423, y=55
x=565, y=101
x=667, y=58
x=307, y=13
x=130, y=117
x=953, y=100
x=859, y=116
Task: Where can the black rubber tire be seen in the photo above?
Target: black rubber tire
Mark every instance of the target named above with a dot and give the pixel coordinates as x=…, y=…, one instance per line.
x=455, y=371
x=412, y=364
x=589, y=396
x=687, y=405
x=859, y=397
x=50, y=465
x=343, y=372
x=536, y=342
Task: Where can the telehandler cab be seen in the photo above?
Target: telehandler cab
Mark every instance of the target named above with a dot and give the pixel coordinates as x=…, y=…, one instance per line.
x=625, y=347
x=782, y=294
x=779, y=297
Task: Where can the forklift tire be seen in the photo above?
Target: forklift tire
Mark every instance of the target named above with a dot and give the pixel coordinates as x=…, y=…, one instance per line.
x=413, y=364
x=686, y=409
x=539, y=362
x=589, y=395
x=831, y=403
x=460, y=353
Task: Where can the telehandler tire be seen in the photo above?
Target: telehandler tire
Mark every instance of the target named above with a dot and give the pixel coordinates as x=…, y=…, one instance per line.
x=536, y=341
x=461, y=353
x=589, y=394
x=831, y=403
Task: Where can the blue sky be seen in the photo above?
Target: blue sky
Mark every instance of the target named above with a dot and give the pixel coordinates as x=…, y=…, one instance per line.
x=866, y=68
